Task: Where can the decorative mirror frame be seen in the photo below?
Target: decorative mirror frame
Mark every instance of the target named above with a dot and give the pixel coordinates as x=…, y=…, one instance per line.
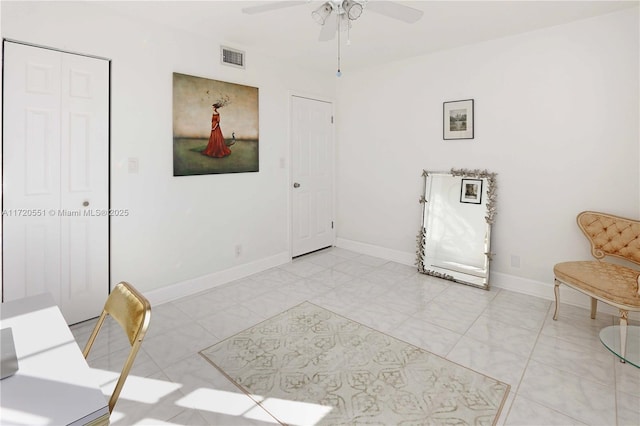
x=489, y=219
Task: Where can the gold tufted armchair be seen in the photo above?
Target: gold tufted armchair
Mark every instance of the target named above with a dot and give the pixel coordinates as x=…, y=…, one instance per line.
x=612, y=283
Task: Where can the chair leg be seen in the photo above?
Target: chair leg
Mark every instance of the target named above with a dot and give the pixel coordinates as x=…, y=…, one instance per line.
x=556, y=291
x=594, y=306
x=623, y=333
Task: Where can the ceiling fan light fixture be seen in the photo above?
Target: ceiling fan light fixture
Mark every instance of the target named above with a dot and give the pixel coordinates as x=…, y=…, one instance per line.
x=321, y=14
x=352, y=8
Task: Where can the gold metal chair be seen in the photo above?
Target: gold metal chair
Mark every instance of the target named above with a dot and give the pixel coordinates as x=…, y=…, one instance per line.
x=133, y=312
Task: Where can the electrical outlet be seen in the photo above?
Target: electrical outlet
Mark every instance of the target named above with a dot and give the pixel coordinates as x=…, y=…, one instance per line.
x=515, y=261
x=238, y=250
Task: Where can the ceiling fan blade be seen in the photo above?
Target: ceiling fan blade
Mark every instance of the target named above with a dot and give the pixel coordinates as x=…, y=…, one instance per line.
x=328, y=31
x=269, y=6
x=395, y=10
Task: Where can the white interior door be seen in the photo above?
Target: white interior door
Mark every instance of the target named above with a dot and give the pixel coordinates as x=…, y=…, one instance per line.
x=55, y=178
x=312, y=175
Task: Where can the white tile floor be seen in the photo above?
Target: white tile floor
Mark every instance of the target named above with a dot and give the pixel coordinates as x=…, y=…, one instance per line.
x=559, y=372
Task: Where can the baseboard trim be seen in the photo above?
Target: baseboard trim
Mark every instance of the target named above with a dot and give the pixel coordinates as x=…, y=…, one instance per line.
x=501, y=280
x=545, y=290
x=377, y=251
x=207, y=282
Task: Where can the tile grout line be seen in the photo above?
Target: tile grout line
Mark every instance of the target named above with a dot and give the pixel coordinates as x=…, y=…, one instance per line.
x=524, y=370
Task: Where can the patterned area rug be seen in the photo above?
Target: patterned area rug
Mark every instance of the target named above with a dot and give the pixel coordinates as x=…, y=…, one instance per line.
x=340, y=372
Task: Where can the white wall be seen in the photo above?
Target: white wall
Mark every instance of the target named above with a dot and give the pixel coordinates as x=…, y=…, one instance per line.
x=179, y=228
x=556, y=116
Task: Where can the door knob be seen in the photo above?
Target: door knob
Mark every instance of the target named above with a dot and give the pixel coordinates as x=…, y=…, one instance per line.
x=86, y=203
x=296, y=185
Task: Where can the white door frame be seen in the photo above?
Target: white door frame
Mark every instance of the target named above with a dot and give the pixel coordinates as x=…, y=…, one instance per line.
x=314, y=97
x=108, y=155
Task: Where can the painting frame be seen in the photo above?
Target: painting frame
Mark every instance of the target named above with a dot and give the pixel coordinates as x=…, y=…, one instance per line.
x=215, y=126
x=471, y=191
x=458, y=119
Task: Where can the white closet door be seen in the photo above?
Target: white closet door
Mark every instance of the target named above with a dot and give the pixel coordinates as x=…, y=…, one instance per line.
x=55, y=178
x=312, y=174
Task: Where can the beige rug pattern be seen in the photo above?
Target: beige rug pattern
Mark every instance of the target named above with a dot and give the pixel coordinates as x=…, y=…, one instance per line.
x=358, y=375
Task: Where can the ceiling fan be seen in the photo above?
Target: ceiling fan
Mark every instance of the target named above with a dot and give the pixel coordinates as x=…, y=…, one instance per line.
x=334, y=15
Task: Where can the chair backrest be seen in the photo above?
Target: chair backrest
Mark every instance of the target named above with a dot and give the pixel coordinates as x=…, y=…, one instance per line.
x=611, y=235
x=132, y=311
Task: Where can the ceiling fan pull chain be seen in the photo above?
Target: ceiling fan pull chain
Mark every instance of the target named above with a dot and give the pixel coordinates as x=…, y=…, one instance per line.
x=339, y=73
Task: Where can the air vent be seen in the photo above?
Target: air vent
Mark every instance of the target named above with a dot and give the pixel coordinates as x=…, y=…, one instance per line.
x=232, y=57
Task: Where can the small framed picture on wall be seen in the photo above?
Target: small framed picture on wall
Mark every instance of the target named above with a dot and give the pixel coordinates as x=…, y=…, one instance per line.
x=458, y=119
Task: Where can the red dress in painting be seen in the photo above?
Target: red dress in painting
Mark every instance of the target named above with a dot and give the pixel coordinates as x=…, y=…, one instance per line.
x=216, y=147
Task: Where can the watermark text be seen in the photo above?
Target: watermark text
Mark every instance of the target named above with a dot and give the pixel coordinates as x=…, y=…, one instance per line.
x=64, y=212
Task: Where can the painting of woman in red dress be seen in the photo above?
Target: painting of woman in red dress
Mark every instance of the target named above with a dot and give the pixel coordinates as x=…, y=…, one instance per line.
x=216, y=147
x=204, y=143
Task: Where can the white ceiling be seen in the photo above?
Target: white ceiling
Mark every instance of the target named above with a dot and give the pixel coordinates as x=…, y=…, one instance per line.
x=291, y=34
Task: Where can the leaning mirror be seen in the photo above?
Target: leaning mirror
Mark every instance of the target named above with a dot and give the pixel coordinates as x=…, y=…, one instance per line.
x=455, y=238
